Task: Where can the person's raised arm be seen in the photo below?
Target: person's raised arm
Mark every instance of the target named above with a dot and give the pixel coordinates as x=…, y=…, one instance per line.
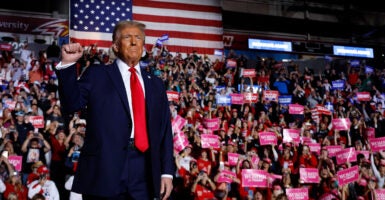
x=70, y=53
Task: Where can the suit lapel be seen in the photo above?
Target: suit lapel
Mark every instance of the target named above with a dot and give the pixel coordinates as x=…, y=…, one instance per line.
x=117, y=81
x=147, y=77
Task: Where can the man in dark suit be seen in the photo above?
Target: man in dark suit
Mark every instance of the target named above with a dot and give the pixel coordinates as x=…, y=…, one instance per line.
x=113, y=165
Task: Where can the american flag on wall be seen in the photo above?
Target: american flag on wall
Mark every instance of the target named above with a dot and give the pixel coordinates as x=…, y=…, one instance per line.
x=189, y=24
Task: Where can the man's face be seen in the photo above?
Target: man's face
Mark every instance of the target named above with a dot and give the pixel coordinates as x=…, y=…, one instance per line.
x=130, y=45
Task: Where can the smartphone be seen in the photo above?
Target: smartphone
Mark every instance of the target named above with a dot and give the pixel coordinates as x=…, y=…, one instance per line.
x=5, y=154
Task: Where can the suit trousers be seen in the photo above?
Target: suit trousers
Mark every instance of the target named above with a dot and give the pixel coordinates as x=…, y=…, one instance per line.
x=135, y=181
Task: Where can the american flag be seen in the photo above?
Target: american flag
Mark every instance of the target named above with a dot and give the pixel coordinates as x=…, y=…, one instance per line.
x=189, y=24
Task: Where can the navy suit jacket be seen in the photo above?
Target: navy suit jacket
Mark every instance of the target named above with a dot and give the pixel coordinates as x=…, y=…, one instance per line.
x=101, y=91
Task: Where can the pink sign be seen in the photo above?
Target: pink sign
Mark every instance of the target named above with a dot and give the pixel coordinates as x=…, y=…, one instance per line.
x=37, y=121
x=341, y=124
x=348, y=175
x=297, y=193
x=377, y=144
x=249, y=97
x=232, y=158
x=226, y=176
x=249, y=73
x=254, y=178
x=365, y=153
x=212, y=124
x=270, y=95
x=315, y=147
x=267, y=138
x=16, y=161
x=178, y=123
x=346, y=155
x=210, y=141
x=173, y=96
x=370, y=132
x=363, y=96
x=236, y=99
x=291, y=135
x=309, y=175
x=296, y=109
x=180, y=141
x=332, y=150
x=380, y=194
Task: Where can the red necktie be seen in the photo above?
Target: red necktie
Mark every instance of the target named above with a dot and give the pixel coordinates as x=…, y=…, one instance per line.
x=139, y=110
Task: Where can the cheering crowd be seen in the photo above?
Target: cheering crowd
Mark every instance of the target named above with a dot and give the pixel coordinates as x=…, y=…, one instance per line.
x=271, y=131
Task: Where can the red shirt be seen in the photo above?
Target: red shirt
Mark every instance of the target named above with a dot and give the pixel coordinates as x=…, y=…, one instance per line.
x=58, y=150
x=22, y=194
x=204, y=165
x=203, y=193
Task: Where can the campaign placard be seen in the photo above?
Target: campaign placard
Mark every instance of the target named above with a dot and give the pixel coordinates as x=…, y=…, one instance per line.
x=297, y=193
x=346, y=155
x=315, y=147
x=212, y=124
x=173, y=96
x=270, y=95
x=249, y=97
x=285, y=99
x=231, y=63
x=380, y=194
x=37, y=121
x=16, y=161
x=267, y=138
x=226, y=176
x=338, y=84
x=236, y=99
x=296, y=109
x=291, y=135
x=254, y=178
x=363, y=96
x=341, y=124
x=377, y=144
x=348, y=175
x=232, y=158
x=210, y=140
x=178, y=123
x=224, y=100
x=248, y=73
x=180, y=141
x=309, y=175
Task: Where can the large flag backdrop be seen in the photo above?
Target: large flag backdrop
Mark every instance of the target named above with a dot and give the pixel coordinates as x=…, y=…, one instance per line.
x=190, y=25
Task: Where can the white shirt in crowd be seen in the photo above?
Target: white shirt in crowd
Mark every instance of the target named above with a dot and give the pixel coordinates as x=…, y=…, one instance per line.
x=68, y=186
x=49, y=190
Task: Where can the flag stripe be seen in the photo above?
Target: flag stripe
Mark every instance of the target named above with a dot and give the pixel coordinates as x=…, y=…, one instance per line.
x=193, y=2
x=178, y=6
x=183, y=35
x=179, y=20
x=164, y=27
x=175, y=13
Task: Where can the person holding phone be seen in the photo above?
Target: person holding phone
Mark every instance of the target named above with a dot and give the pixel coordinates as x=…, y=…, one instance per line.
x=203, y=187
x=43, y=185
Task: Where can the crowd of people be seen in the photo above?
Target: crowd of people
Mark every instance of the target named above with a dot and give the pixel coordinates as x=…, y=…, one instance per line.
x=258, y=148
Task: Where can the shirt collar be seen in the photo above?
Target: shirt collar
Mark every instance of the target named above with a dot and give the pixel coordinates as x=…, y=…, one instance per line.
x=124, y=65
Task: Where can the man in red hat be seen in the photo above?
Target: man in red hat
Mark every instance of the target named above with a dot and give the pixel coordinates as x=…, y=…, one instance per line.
x=43, y=185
